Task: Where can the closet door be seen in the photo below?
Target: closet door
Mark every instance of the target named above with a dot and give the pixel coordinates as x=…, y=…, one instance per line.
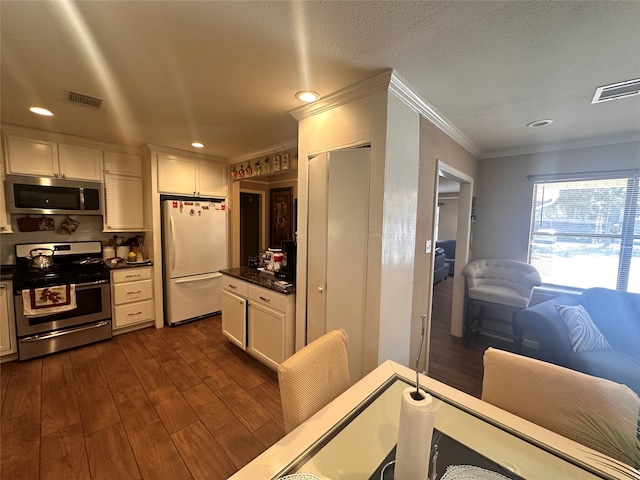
x=338, y=239
x=317, y=246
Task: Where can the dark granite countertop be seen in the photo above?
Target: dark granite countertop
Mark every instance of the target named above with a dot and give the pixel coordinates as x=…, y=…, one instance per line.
x=257, y=277
x=125, y=264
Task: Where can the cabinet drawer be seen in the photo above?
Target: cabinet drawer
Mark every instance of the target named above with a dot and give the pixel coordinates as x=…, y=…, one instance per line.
x=131, y=274
x=132, y=292
x=131, y=313
x=235, y=286
x=267, y=297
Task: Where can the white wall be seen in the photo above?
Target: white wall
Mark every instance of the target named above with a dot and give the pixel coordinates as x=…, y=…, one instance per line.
x=504, y=193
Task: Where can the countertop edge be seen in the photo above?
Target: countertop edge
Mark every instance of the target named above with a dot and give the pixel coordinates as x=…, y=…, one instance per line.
x=258, y=278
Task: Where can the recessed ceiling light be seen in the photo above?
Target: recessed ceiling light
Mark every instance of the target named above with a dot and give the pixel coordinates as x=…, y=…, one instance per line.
x=41, y=111
x=539, y=123
x=307, y=96
x=197, y=144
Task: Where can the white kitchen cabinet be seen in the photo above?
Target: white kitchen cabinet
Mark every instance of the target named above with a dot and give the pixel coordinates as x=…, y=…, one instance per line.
x=47, y=158
x=78, y=162
x=8, y=342
x=258, y=319
x=117, y=163
x=124, y=203
x=131, y=297
x=234, y=318
x=189, y=176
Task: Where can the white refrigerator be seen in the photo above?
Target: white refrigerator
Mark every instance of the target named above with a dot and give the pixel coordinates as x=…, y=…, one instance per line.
x=194, y=239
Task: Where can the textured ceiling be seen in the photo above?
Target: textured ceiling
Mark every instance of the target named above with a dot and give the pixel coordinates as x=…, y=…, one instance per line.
x=225, y=73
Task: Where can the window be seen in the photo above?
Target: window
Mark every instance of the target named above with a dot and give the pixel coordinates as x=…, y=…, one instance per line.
x=586, y=233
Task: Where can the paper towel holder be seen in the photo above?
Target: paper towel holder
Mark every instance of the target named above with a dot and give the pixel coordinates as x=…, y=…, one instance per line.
x=417, y=395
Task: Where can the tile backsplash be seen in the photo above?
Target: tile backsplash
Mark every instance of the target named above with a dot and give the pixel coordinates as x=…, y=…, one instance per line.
x=89, y=228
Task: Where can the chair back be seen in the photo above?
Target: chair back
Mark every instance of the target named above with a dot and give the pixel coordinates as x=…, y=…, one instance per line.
x=519, y=276
x=570, y=403
x=313, y=377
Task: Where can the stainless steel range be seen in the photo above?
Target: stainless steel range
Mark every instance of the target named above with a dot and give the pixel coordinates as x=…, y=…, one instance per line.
x=63, y=302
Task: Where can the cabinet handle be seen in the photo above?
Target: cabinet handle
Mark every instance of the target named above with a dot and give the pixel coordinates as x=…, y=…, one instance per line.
x=133, y=276
x=133, y=314
x=137, y=291
x=233, y=286
x=2, y=287
x=265, y=299
x=3, y=228
x=320, y=289
x=55, y=175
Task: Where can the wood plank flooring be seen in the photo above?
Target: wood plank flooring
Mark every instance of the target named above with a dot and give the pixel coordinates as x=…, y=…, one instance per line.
x=174, y=403
x=449, y=360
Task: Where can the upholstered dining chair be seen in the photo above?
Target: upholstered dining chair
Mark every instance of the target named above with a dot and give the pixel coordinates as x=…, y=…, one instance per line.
x=501, y=283
x=571, y=403
x=312, y=377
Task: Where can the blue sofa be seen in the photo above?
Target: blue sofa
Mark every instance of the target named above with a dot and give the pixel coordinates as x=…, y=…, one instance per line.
x=615, y=313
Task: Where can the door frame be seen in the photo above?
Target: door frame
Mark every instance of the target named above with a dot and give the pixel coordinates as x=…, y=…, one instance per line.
x=263, y=215
x=463, y=240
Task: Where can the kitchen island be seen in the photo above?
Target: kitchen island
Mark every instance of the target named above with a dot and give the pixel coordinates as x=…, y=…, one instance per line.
x=258, y=314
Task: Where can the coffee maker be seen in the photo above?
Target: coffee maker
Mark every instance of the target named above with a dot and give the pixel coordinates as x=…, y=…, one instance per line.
x=288, y=272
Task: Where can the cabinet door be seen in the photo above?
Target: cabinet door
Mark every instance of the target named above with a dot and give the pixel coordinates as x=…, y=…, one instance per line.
x=212, y=180
x=266, y=335
x=7, y=343
x=124, y=203
x=82, y=163
x=123, y=164
x=176, y=175
x=30, y=156
x=234, y=318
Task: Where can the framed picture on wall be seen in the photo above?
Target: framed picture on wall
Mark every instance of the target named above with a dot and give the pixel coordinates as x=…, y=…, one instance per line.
x=281, y=202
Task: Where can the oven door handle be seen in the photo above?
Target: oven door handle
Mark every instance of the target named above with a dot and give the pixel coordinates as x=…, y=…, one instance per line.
x=91, y=284
x=46, y=336
x=78, y=286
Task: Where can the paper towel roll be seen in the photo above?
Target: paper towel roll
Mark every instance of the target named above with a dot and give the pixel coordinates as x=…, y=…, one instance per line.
x=414, y=437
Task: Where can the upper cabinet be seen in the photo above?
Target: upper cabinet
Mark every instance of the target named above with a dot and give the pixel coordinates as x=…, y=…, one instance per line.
x=124, y=192
x=118, y=163
x=46, y=158
x=189, y=176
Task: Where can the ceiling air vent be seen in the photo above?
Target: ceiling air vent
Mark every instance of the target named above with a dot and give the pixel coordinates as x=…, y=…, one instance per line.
x=616, y=91
x=84, y=100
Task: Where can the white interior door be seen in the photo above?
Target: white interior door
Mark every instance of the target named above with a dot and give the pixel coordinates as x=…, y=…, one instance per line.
x=338, y=239
x=317, y=247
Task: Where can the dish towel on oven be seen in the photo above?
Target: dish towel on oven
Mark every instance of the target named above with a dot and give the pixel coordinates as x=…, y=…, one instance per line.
x=48, y=300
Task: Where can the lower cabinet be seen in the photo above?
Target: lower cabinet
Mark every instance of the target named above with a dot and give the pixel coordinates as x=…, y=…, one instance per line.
x=8, y=343
x=258, y=320
x=131, y=296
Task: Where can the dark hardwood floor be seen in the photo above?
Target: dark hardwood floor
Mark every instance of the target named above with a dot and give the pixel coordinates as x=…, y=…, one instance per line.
x=449, y=360
x=174, y=403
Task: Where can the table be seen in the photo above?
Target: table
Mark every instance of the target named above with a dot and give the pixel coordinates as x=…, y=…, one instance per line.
x=353, y=436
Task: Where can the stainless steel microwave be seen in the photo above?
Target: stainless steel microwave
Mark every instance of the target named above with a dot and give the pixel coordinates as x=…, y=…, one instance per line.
x=52, y=196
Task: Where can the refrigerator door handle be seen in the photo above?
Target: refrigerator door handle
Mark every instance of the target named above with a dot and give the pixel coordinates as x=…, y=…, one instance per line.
x=172, y=228
x=198, y=278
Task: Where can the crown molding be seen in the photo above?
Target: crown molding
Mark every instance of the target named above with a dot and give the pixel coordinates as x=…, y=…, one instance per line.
x=377, y=83
x=391, y=81
x=590, y=142
x=399, y=87
x=288, y=145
